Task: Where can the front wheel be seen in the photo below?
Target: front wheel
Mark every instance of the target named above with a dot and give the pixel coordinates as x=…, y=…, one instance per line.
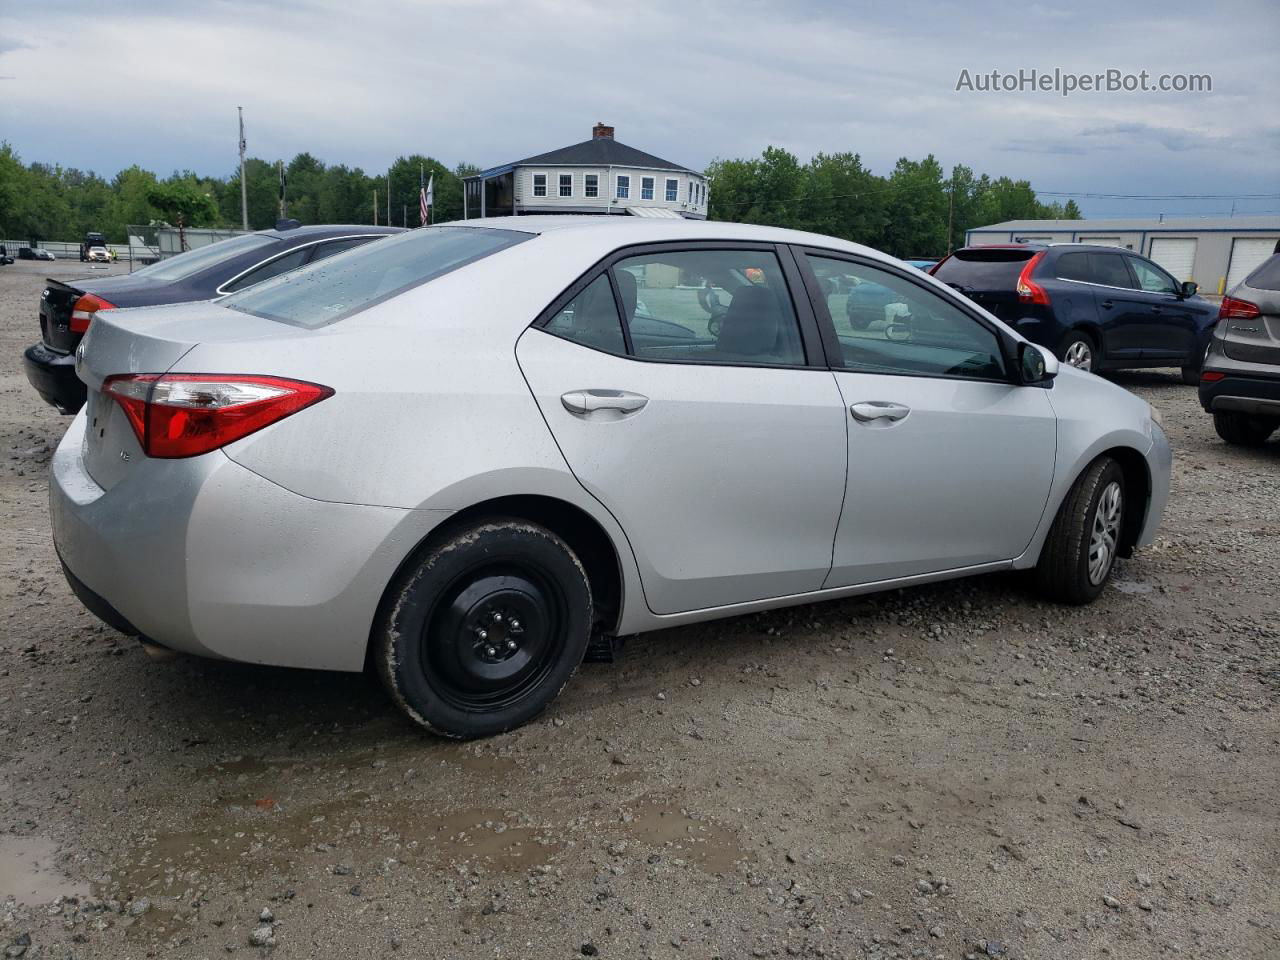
x=1243, y=429
x=1080, y=551
x=482, y=632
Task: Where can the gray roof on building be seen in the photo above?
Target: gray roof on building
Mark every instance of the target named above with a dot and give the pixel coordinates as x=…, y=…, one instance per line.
x=596, y=152
x=1138, y=224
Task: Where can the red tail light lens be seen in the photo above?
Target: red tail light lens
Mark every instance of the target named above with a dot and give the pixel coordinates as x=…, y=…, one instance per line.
x=1212, y=376
x=1028, y=290
x=1238, y=309
x=84, y=308
x=186, y=414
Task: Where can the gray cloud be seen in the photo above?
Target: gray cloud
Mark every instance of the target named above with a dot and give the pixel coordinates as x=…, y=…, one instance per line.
x=487, y=81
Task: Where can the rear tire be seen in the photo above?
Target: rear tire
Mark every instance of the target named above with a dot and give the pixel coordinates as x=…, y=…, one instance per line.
x=1078, y=350
x=1242, y=429
x=1080, y=551
x=483, y=630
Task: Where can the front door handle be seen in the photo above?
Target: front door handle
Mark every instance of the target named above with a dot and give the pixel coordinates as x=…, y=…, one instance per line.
x=583, y=402
x=1157, y=309
x=1106, y=304
x=869, y=410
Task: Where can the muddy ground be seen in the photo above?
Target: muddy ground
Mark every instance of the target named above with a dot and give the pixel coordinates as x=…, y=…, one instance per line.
x=940, y=772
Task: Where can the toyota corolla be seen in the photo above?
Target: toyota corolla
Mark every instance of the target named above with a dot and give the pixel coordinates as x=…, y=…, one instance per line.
x=467, y=453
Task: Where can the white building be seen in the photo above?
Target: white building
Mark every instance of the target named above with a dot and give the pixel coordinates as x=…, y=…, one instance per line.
x=1215, y=252
x=599, y=175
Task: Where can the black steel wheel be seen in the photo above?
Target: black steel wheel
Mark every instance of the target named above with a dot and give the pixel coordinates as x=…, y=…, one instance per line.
x=483, y=631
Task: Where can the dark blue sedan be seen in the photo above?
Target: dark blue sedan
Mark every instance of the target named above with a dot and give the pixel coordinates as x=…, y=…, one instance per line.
x=67, y=309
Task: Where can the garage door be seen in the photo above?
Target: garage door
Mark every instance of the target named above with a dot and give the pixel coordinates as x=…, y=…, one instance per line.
x=1177, y=256
x=1102, y=241
x=1245, y=257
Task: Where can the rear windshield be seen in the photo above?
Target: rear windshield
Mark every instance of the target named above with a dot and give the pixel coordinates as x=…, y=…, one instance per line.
x=1267, y=276
x=349, y=282
x=996, y=268
x=194, y=261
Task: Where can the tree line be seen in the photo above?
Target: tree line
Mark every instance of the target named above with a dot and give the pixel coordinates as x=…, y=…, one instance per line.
x=916, y=211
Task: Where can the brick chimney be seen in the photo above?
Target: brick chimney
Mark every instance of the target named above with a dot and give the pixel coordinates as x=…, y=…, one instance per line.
x=601, y=132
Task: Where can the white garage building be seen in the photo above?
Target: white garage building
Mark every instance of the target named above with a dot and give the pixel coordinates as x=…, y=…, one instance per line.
x=1215, y=252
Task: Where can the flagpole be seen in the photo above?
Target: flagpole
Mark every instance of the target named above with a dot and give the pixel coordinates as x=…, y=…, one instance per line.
x=244, y=190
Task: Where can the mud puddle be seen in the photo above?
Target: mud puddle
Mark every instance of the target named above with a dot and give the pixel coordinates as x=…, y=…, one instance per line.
x=28, y=874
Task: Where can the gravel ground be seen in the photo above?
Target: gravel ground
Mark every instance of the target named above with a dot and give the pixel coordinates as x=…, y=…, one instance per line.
x=939, y=772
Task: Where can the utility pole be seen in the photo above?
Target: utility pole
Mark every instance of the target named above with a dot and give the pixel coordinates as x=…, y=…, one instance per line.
x=375, y=206
x=280, y=166
x=388, y=198
x=951, y=204
x=244, y=190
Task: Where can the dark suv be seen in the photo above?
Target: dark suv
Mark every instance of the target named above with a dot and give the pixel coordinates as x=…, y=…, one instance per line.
x=1096, y=307
x=1240, y=382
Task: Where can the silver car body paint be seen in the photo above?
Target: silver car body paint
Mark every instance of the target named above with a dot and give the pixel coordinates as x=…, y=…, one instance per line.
x=278, y=548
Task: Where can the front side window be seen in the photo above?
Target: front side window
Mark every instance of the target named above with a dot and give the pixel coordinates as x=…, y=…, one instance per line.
x=566, y=185
x=335, y=288
x=673, y=190
x=1151, y=278
x=624, y=186
x=1109, y=270
x=888, y=324
x=591, y=319
x=539, y=184
x=646, y=188
x=591, y=185
x=709, y=306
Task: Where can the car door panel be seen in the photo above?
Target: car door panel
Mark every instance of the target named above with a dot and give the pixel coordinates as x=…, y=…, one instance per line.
x=960, y=480
x=1169, y=329
x=728, y=480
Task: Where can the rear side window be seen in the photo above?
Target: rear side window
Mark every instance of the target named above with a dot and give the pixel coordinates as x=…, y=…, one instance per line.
x=1074, y=266
x=993, y=268
x=272, y=268
x=1109, y=269
x=1267, y=276
x=591, y=319
x=336, y=288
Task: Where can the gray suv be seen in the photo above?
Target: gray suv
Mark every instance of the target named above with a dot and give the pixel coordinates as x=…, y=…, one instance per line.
x=1240, y=379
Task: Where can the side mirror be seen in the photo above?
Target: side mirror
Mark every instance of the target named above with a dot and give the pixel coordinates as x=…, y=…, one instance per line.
x=1035, y=364
x=1189, y=288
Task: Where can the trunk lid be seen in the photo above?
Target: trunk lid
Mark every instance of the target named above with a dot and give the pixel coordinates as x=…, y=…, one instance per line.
x=1256, y=340
x=55, y=316
x=150, y=340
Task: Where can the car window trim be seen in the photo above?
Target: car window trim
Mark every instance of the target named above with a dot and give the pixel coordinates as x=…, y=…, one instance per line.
x=815, y=355
x=831, y=338
x=221, y=291
x=1130, y=259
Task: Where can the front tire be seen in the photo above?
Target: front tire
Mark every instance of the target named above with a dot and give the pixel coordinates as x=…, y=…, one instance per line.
x=1243, y=429
x=483, y=631
x=1080, y=551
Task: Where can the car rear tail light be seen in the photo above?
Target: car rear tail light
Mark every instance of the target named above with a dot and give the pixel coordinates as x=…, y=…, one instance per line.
x=178, y=415
x=84, y=308
x=1028, y=290
x=1211, y=376
x=1238, y=309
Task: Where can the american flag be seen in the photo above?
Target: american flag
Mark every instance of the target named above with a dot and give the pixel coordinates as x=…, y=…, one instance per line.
x=426, y=196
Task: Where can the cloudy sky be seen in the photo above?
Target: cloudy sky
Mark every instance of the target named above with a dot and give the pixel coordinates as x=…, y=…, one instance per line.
x=102, y=85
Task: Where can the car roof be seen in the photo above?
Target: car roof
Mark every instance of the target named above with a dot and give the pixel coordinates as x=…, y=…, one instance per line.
x=1053, y=245
x=619, y=231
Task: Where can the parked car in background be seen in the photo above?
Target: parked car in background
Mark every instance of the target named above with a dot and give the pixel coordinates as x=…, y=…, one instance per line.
x=99, y=255
x=921, y=264
x=34, y=253
x=436, y=454
x=1240, y=381
x=91, y=240
x=1097, y=307
x=67, y=309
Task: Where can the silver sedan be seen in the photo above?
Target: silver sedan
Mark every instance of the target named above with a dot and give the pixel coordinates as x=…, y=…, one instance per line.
x=469, y=453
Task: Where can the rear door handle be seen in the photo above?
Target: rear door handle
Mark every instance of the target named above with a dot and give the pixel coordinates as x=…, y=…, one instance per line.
x=869, y=410
x=1106, y=304
x=583, y=402
x=1155, y=309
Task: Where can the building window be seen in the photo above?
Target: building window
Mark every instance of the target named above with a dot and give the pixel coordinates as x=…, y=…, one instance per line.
x=690, y=191
x=646, y=188
x=624, y=186
x=566, y=184
x=673, y=191
x=539, y=184
x=591, y=185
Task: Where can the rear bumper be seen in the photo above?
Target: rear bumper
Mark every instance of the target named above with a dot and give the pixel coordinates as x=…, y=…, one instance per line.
x=54, y=377
x=1240, y=393
x=206, y=557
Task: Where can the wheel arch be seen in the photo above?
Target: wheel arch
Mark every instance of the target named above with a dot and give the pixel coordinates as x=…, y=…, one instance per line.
x=579, y=529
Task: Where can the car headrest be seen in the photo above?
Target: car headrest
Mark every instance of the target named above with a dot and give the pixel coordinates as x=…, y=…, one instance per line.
x=750, y=325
